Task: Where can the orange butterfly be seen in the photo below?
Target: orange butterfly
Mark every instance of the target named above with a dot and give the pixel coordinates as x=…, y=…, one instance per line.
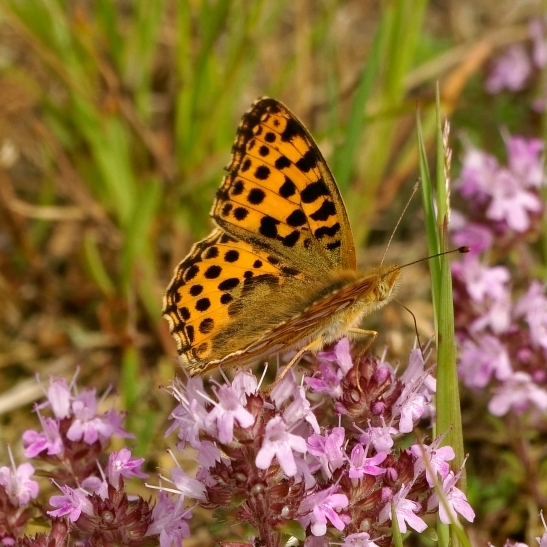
x=279, y=271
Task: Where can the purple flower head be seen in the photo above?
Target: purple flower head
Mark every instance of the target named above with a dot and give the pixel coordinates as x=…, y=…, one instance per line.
x=510, y=71
x=280, y=443
x=511, y=202
x=381, y=438
x=225, y=413
x=18, y=485
x=361, y=539
x=59, y=397
x=72, y=503
x=478, y=175
x=477, y=237
x=319, y=508
x=300, y=409
x=186, y=485
x=525, y=160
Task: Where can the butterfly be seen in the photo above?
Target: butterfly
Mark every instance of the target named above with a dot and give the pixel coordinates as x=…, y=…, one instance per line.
x=279, y=271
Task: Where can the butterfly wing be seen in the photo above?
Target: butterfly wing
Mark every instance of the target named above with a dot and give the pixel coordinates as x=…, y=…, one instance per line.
x=280, y=196
x=224, y=295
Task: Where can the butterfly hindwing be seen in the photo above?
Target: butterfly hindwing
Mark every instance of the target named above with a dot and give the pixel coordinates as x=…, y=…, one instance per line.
x=216, y=289
x=279, y=193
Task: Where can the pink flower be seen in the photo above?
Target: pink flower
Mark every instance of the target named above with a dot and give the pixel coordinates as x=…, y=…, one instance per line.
x=17, y=483
x=481, y=360
x=73, y=503
x=519, y=393
x=316, y=509
x=87, y=425
x=455, y=499
x=49, y=439
x=510, y=70
x=121, y=464
x=533, y=307
x=437, y=461
x=328, y=449
x=169, y=521
x=280, y=443
x=224, y=414
x=360, y=465
x=405, y=512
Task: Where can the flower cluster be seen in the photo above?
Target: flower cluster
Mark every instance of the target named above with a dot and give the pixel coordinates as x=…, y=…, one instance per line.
x=515, y=68
x=318, y=461
x=93, y=507
x=502, y=337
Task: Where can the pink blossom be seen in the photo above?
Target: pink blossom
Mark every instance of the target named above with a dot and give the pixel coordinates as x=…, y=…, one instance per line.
x=405, y=512
x=59, y=397
x=437, y=456
x=360, y=465
x=510, y=70
x=17, y=483
x=49, y=439
x=87, y=425
x=533, y=307
x=228, y=411
x=169, y=521
x=328, y=449
x=518, y=393
x=320, y=507
x=122, y=464
x=280, y=443
x=72, y=503
x=455, y=499
x=481, y=360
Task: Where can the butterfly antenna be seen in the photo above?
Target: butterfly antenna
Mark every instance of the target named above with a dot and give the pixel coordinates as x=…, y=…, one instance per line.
x=414, y=190
x=415, y=326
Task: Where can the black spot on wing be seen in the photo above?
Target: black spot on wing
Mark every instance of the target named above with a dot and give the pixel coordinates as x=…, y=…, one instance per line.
x=307, y=162
x=256, y=196
x=287, y=189
x=282, y=162
x=314, y=191
x=240, y=213
x=207, y=325
x=228, y=284
x=326, y=210
x=329, y=231
x=262, y=172
x=292, y=129
x=268, y=227
x=297, y=218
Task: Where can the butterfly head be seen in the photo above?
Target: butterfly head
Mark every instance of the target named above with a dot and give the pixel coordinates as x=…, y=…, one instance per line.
x=388, y=280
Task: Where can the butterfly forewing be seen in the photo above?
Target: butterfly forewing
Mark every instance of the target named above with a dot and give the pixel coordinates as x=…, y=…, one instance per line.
x=280, y=195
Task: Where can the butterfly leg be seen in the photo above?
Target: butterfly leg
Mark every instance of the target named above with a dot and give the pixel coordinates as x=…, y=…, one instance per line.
x=314, y=345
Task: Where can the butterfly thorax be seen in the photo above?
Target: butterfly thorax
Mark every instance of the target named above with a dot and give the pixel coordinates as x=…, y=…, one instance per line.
x=347, y=297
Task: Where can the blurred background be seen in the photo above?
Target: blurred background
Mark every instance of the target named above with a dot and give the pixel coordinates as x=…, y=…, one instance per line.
x=117, y=118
